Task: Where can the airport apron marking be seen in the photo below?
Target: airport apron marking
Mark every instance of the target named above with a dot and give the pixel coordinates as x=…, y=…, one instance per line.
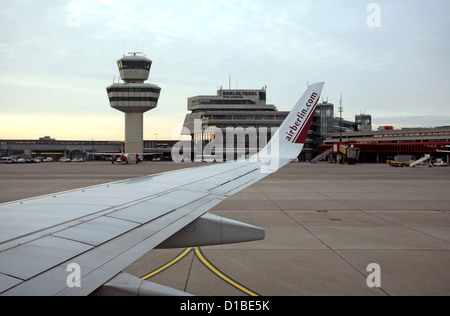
x=200, y=256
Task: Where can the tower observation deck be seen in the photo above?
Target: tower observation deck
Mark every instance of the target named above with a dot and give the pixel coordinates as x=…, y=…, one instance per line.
x=133, y=97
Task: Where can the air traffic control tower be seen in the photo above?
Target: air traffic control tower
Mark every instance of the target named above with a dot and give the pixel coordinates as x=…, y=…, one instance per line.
x=133, y=97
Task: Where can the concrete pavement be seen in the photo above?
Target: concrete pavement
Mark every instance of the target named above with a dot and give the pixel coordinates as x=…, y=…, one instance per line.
x=324, y=225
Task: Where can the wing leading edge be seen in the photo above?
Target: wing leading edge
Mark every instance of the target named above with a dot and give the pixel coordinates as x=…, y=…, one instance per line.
x=103, y=229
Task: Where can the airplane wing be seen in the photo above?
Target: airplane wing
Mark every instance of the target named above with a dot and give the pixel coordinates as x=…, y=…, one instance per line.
x=77, y=242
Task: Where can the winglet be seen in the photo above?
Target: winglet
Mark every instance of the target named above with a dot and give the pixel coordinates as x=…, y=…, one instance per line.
x=295, y=127
x=287, y=143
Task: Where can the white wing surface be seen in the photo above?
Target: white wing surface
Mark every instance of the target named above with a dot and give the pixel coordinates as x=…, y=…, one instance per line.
x=103, y=229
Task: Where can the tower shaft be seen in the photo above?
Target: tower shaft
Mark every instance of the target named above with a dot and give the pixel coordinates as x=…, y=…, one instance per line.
x=134, y=131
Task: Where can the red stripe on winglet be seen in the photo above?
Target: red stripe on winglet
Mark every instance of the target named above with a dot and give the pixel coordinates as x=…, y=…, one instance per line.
x=305, y=128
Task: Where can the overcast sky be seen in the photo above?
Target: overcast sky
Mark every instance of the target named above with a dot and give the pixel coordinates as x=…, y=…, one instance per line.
x=390, y=60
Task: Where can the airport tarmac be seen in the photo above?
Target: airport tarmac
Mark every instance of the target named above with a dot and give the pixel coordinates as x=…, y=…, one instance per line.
x=324, y=225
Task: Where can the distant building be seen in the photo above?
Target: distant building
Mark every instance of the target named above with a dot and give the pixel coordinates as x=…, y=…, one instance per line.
x=242, y=112
x=248, y=109
x=363, y=122
x=46, y=138
x=386, y=144
x=324, y=118
x=322, y=123
x=344, y=126
x=47, y=147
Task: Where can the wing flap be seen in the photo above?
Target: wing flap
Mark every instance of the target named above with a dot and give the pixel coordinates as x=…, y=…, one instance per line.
x=239, y=182
x=46, y=252
x=36, y=218
x=97, y=231
x=7, y=282
x=158, y=206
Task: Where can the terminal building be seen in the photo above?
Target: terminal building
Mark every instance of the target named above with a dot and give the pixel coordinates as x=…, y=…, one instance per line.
x=390, y=144
x=79, y=150
x=231, y=109
x=244, y=119
x=381, y=145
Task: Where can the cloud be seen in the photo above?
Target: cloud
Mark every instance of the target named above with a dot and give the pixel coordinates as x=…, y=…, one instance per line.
x=116, y=5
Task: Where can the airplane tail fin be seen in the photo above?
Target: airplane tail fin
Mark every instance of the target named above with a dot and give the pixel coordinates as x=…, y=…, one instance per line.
x=287, y=143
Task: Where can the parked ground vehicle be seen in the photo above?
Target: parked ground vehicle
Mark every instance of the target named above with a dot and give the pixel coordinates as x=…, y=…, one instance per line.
x=7, y=160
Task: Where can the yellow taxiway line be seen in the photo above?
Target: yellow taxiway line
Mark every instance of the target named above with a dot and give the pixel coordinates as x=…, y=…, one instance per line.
x=208, y=264
x=167, y=265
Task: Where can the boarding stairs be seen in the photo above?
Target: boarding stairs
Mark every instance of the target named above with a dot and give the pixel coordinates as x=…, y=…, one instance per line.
x=322, y=155
x=421, y=160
